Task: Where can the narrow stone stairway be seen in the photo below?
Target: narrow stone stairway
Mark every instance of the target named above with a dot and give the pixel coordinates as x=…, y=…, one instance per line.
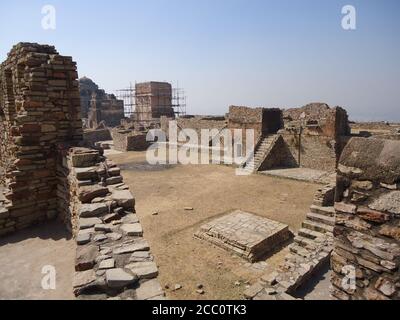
x=260, y=153
x=310, y=251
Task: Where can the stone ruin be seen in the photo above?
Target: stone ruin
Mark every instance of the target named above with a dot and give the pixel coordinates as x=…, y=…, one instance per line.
x=246, y=235
x=47, y=174
x=367, y=229
x=40, y=108
x=97, y=106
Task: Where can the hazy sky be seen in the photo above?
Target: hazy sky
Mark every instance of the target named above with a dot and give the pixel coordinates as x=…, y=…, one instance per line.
x=277, y=53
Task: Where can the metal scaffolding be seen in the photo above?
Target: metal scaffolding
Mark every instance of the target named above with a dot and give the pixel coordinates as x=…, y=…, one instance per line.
x=152, y=100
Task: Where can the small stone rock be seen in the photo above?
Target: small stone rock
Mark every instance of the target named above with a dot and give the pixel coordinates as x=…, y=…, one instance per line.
x=144, y=270
x=107, y=264
x=200, y=291
x=177, y=287
x=133, y=229
x=86, y=223
x=113, y=236
x=82, y=238
x=188, y=209
x=140, y=256
x=99, y=237
x=88, y=210
x=155, y=213
x=102, y=227
x=199, y=286
x=118, y=278
x=140, y=245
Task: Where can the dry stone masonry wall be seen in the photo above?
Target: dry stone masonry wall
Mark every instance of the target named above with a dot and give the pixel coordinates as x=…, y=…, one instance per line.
x=113, y=260
x=367, y=229
x=40, y=107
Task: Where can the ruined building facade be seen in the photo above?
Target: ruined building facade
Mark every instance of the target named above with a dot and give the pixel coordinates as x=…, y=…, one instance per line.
x=98, y=106
x=153, y=100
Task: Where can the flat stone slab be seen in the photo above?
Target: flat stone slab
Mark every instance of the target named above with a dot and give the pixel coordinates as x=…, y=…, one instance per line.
x=245, y=234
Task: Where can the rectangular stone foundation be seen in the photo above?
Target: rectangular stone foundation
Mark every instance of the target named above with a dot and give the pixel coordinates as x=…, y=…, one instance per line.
x=247, y=235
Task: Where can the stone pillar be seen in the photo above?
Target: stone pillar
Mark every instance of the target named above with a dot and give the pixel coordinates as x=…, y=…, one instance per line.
x=366, y=256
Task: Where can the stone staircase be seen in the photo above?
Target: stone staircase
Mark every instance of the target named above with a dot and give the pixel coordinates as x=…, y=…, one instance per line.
x=262, y=148
x=310, y=250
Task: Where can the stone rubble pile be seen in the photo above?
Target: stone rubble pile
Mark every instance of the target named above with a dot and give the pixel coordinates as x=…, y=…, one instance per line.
x=366, y=256
x=113, y=260
x=310, y=251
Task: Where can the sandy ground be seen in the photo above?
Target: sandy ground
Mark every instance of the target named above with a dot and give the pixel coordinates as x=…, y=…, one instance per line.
x=23, y=256
x=211, y=190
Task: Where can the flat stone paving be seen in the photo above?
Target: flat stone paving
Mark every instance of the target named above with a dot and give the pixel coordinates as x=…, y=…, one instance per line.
x=246, y=234
x=303, y=174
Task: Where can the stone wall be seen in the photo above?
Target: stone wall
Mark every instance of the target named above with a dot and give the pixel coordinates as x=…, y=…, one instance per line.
x=93, y=136
x=40, y=107
x=367, y=229
x=98, y=106
x=320, y=131
x=129, y=140
x=113, y=260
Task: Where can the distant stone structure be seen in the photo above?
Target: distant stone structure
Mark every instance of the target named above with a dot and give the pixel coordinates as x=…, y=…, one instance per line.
x=366, y=256
x=316, y=135
x=98, y=106
x=153, y=100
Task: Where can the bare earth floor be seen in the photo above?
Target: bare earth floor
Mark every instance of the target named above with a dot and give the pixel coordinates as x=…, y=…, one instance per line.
x=23, y=256
x=212, y=191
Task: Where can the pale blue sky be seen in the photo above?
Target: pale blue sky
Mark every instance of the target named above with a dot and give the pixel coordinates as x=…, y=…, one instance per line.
x=277, y=53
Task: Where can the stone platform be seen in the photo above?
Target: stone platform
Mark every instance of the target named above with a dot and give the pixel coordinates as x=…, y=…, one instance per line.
x=247, y=235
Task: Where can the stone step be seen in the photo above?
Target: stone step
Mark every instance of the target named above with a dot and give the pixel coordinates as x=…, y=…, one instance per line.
x=327, y=211
x=309, y=234
x=296, y=249
x=305, y=243
x=316, y=226
x=321, y=218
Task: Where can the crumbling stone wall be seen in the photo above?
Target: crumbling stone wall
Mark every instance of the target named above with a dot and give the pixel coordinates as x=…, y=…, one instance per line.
x=128, y=140
x=246, y=118
x=319, y=132
x=40, y=107
x=367, y=228
x=93, y=136
x=98, y=106
x=113, y=260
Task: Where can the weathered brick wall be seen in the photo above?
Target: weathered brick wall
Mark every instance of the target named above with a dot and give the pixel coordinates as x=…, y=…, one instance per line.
x=40, y=108
x=367, y=230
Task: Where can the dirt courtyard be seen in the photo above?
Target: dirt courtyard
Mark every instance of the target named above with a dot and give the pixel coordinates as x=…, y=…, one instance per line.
x=211, y=190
